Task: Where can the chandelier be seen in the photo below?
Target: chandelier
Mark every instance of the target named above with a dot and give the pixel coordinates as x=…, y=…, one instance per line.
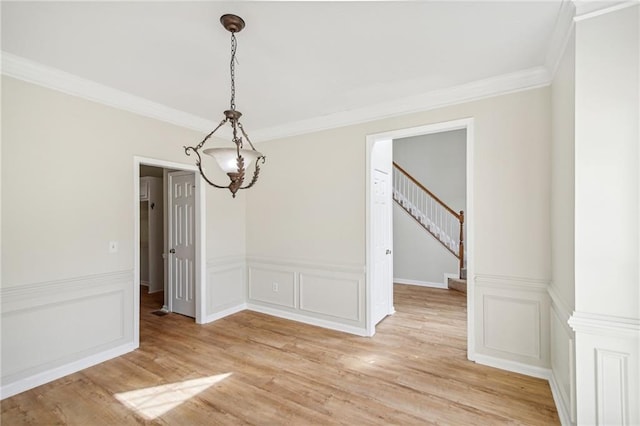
x=233, y=161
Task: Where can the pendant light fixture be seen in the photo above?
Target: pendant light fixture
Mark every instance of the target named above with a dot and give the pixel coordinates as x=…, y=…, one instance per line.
x=233, y=161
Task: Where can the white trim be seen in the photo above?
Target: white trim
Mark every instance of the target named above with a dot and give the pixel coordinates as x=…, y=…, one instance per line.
x=463, y=123
x=513, y=366
x=494, y=86
x=605, y=325
x=53, y=78
x=506, y=281
x=17, y=293
x=593, y=9
x=561, y=34
x=225, y=313
x=226, y=262
x=563, y=412
x=308, y=320
x=419, y=283
x=470, y=243
x=38, y=379
x=350, y=268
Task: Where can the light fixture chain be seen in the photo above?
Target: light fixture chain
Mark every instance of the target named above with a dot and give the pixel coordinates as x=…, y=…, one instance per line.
x=234, y=45
x=233, y=24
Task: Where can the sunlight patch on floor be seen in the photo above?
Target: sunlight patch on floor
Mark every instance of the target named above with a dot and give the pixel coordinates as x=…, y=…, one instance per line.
x=153, y=402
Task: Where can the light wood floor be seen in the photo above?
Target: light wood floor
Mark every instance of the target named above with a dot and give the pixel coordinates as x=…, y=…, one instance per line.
x=251, y=368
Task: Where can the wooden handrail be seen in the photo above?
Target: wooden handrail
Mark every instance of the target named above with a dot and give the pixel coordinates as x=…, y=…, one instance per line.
x=412, y=179
x=461, y=245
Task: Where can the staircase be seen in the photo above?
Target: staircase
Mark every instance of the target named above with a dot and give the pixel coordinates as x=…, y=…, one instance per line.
x=434, y=216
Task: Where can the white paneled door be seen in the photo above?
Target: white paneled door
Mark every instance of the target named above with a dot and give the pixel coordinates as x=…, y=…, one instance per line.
x=182, y=249
x=382, y=290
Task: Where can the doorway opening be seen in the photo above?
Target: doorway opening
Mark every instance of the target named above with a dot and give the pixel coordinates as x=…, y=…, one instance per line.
x=379, y=220
x=169, y=251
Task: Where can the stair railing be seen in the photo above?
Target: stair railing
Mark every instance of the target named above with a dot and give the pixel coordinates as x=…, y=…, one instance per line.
x=430, y=212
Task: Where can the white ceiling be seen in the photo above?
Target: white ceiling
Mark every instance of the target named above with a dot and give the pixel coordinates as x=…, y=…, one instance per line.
x=296, y=60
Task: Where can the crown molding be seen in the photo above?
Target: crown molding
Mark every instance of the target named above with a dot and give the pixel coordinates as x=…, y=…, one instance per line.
x=499, y=85
x=562, y=31
x=587, y=9
x=53, y=78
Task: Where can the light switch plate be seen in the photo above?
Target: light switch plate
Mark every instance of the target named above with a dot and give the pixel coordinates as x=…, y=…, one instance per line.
x=113, y=246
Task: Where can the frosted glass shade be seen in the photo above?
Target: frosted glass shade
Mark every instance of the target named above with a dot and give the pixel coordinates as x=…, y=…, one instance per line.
x=227, y=158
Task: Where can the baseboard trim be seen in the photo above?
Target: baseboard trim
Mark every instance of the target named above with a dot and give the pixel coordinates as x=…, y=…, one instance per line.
x=419, y=283
x=308, y=320
x=225, y=313
x=513, y=366
x=563, y=413
x=11, y=389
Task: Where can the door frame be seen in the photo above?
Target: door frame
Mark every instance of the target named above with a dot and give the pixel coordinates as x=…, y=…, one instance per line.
x=371, y=140
x=200, y=260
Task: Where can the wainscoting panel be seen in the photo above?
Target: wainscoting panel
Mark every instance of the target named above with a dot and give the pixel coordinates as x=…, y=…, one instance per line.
x=520, y=337
x=330, y=296
x=56, y=328
x=612, y=392
x=562, y=380
x=226, y=288
x=607, y=369
x=512, y=324
x=273, y=286
x=317, y=295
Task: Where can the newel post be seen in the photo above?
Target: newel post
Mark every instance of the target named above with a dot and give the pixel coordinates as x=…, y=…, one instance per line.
x=461, y=249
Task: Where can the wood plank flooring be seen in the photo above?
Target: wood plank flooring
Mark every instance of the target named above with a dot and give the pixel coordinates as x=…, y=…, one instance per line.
x=251, y=368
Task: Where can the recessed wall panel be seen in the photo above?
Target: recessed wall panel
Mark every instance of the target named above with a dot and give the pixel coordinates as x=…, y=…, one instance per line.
x=512, y=325
x=225, y=287
x=272, y=286
x=336, y=297
x=611, y=387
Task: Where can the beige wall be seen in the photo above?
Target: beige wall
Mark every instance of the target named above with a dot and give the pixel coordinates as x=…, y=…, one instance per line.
x=311, y=201
x=562, y=288
x=67, y=185
x=607, y=135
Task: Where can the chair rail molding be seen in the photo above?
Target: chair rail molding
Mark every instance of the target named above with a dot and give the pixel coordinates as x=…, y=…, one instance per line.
x=605, y=325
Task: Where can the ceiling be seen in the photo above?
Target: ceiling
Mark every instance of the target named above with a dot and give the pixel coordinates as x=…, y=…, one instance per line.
x=297, y=61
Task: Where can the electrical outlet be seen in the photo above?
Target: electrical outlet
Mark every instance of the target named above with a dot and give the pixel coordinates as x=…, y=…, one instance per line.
x=275, y=287
x=113, y=246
